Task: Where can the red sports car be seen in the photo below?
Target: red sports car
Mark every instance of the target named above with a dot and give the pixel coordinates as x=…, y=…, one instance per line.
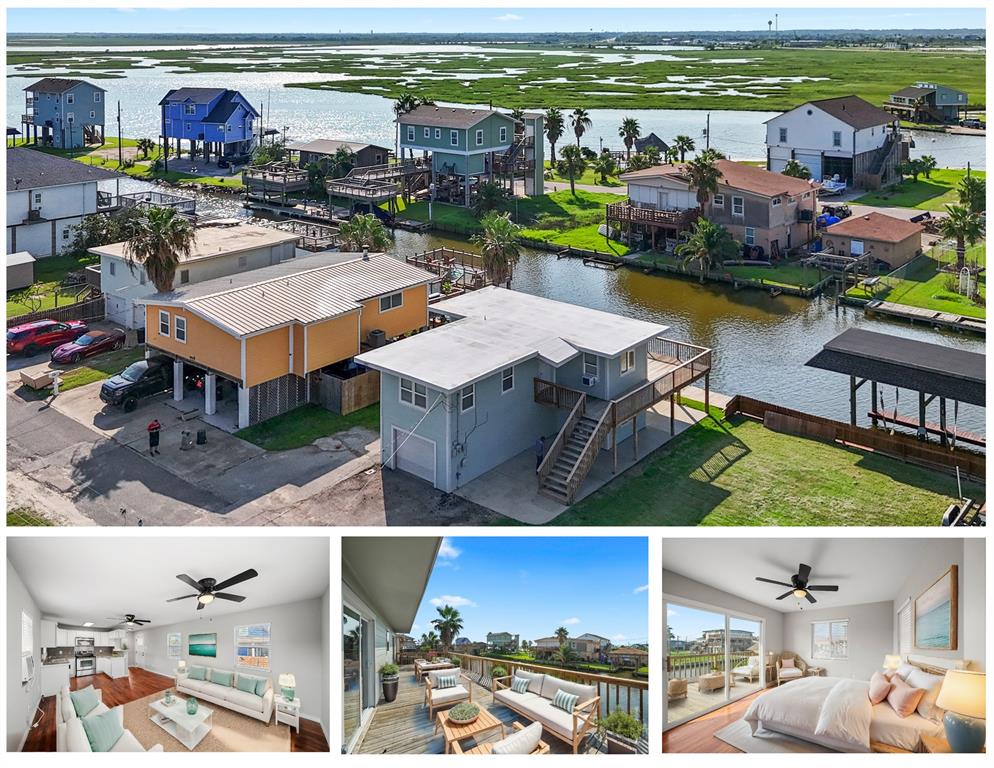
x=31, y=338
x=90, y=343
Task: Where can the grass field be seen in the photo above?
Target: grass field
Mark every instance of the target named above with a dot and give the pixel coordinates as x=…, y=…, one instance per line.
x=302, y=426
x=588, y=177
x=49, y=272
x=100, y=367
x=932, y=194
x=24, y=516
x=790, y=275
x=740, y=473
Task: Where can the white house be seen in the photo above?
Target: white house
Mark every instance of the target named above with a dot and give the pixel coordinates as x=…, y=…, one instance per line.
x=47, y=196
x=845, y=136
x=216, y=252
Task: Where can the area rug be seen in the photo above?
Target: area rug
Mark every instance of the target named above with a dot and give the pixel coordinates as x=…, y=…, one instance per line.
x=231, y=731
x=739, y=736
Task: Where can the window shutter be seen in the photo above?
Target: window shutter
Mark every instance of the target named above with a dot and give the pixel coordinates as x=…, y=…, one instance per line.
x=905, y=632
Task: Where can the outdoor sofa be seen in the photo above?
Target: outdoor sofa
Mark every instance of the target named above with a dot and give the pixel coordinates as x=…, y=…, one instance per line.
x=536, y=704
x=524, y=741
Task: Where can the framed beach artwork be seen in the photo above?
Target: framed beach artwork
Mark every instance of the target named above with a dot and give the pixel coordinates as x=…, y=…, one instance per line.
x=174, y=645
x=204, y=644
x=936, y=611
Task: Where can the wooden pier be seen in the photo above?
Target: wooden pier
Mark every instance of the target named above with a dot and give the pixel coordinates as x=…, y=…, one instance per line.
x=960, y=435
x=929, y=316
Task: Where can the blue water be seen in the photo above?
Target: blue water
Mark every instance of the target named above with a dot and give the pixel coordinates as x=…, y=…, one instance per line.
x=203, y=649
x=932, y=628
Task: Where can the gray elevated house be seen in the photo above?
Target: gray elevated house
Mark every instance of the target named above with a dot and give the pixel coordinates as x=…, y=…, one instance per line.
x=64, y=112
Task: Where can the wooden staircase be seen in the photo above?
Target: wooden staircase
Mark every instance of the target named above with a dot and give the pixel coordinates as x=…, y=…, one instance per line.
x=574, y=450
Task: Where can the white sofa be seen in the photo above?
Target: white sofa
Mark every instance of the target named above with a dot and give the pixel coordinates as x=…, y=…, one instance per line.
x=536, y=705
x=259, y=707
x=71, y=737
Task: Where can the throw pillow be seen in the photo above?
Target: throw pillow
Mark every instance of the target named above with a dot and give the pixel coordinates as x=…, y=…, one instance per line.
x=879, y=687
x=445, y=681
x=520, y=742
x=786, y=664
x=903, y=698
x=519, y=685
x=904, y=670
x=931, y=684
x=222, y=678
x=83, y=701
x=198, y=673
x=103, y=730
x=260, y=687
x=564, y=701
x=246, y=684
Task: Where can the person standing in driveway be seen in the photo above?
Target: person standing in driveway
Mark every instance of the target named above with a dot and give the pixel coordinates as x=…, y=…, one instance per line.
x=539, y=452
x=154, y=428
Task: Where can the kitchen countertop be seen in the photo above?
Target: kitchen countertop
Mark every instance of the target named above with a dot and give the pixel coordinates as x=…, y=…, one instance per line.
x=56, y=662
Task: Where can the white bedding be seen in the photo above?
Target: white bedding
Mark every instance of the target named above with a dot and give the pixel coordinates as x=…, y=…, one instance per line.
x=888, y=727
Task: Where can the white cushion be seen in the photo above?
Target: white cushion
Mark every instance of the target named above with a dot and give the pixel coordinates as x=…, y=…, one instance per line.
x=541, y=709
x=244, y=700
x=437, y=673
x=509, y=698
x=535, y=680
x=448, y=694
x=127, y=743
x=60, y=737
x=68, y=710
x=552, y=684
x=76, y=740
x=904, y=670
x=931, y=684
x=785, y=673
x=521, y=742
x=219, y=692
x=194, y=685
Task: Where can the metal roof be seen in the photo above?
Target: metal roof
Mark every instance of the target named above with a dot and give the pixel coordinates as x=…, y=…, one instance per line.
x=196, y=95
x=31, y=169
x=448, y=117
x=330, y=146
x=59, y=85
x=906, y=363
x=21, y=257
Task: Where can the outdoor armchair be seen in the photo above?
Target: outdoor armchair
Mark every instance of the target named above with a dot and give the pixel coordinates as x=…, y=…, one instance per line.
x=488, y=749
x=436, y=698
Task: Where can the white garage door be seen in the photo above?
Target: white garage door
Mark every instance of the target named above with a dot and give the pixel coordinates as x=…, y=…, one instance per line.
x=415, y=455
x=813, y=163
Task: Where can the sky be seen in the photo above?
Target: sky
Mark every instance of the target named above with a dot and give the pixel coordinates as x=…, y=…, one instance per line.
x=521, y=19
x=688, y=623
x=529, y=586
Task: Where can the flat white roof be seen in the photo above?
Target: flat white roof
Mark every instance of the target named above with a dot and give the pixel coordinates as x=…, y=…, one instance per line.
x=21, y=257
x=495, y=328
x=211, y=242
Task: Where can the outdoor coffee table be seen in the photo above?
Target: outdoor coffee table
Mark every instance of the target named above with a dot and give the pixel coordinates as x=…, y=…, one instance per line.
x=188, y=730
x=452, y=732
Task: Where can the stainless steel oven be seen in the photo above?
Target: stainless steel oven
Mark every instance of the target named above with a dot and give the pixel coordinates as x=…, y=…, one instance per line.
x=86, y=665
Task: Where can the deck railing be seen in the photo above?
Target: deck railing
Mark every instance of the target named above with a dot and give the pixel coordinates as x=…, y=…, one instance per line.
x=617, y=693
x=550, y=393
x=552, y=453
x=650, y=393
x=693, y=665
x=628, y=212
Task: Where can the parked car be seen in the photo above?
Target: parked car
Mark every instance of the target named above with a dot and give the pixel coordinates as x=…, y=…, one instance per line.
x=89, y=344
x=31, y=338
x=139, y=380
x=841, y=211
x=195, y=377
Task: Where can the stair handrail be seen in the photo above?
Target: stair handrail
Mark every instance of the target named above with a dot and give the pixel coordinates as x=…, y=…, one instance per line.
x=553, y=451
x=588, y=455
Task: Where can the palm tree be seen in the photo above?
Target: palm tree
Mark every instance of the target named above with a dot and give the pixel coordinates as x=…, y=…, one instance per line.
x=489, y=197
x=973, y=193
x=629, y=132
x=564, y=656
x=406, y=102
x=518, y=115
x=429, y=641
x=604, y=166
x=145, y=146
x=965, y=226
x=561, y=634
x=363, y=231
x=670, y=154
x=796, y=169
x=499, y=246
x=572, y=165
x=704, y=175
x=157, y=242
x=652, y=155
x=580, y=121
x=929, y=164
x=706, y=244
x=448, y=624
x=555, y=124
x=683, y=145
x=341, y=162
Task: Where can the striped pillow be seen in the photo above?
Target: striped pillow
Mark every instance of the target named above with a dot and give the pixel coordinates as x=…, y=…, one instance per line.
x=445, y=681
x=519, y=685
x=564, y=701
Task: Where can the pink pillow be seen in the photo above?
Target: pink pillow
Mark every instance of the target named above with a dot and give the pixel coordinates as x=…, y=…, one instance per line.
x=879, y=687
x=787, y=664
x=903, y=698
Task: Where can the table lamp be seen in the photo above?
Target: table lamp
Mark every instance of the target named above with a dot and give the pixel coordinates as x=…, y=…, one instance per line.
x=288, y=685
x=180, y=667
x=963, y=697
x=892, y=662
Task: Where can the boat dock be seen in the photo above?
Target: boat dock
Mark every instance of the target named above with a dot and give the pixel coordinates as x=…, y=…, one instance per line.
x=929, y=316
x=960, y=435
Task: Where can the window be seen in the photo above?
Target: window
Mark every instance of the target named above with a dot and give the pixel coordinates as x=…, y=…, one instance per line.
x=410, y=133
x=836, y=138
x=253, y=643
x=392, y=301
x=454, y=138
x=503, y=134
x=242, y=261
x=750, y=235
x=506, y=380
x=590, y=364
x=467, y=397
x=37, y=198
x=830, y=639
x=188, y=126
x=97, y=97
x=70, y=117
x=163, y=323
x=65, y=233
x=628, y=361
x=92, y=113
x=783, y=135
x=184, y=276
x=738, y=206
x=776, y=201
x=229, y=128
x=719, y=201
x=479, y=138
x=905, y=632
x=189, y=109
x=427, y=132
x=112, y=268
x=70, y=98
x=141, y=276
x=181, y=329
x=27, y=648
x=174, y=645
x=413, y=393
x=438, y=134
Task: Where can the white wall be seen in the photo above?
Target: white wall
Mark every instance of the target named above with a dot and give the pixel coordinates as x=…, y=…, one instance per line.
x=326, y=665
x=22, y=699
x=814, y=133
x=974, y=601
x=871, y=636
x=299, y=645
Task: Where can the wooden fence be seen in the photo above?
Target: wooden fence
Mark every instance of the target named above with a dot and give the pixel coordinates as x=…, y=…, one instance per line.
x=899, y=446
x=90, y=310
x=345, y=396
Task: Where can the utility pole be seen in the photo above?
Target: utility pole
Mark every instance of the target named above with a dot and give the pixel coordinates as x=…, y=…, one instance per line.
x=120, y=149
x=707, y=133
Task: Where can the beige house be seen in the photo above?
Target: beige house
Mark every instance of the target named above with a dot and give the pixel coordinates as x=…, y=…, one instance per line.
x=888, y=239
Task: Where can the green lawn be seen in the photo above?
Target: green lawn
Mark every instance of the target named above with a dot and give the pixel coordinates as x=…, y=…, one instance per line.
x=788, y=274
x=302, y=426
x=923, y=285
x=49, y=272
x=588, y=177
x=25, y=516
x=100, y=367
x=740, y=473
x=932, y=194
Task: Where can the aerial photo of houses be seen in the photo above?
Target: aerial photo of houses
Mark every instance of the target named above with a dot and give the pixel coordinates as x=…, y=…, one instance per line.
x=415, y=266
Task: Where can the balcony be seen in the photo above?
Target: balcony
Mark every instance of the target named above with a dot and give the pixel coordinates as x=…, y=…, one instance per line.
x=704, y=677
x=27, y=119
x=628, y=213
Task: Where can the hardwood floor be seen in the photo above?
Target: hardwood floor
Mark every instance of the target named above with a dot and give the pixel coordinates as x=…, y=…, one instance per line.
x=698, y=734
x=137, y=685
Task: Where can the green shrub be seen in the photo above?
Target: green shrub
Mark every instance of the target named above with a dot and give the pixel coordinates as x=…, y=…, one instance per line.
x=389, y=669
x=622, y=724
x=464, y=711
x=456, y=660
x=498, y=671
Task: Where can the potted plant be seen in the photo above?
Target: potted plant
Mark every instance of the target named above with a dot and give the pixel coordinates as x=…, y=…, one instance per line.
x=389, y=673
x=464, y=713
x=622, y=732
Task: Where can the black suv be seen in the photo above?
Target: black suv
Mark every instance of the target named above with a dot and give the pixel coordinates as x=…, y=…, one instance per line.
x=142, y=379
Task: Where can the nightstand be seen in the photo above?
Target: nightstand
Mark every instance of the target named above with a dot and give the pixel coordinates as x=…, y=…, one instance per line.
x=935, y=744
x=288, y=711
x=814, y=671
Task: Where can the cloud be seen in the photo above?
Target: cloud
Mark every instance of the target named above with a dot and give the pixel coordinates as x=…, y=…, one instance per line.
x=671, y=612
x=415, y=627
x=570, y=620
x=456, y=601
x=508, y=17
x=643, y=588
x=448, y=550
x=619, y=638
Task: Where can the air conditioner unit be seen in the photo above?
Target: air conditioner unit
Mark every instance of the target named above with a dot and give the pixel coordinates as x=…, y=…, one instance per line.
x=589, y=381
x=34, y=214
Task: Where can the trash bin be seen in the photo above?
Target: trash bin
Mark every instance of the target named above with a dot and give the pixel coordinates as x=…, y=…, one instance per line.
x=201, y=437
x=185, y=440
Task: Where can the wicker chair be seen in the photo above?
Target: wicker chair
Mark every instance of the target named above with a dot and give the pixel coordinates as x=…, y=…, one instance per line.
x=676, y=689
x=786, y=675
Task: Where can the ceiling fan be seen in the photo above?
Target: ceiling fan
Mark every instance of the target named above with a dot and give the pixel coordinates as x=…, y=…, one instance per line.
x=129, y=620
x=208, y=589
x=799, y=586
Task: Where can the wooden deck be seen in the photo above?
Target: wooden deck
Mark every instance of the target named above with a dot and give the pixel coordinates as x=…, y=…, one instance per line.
x=697, y=701
x=930, y=316
x=402, y=727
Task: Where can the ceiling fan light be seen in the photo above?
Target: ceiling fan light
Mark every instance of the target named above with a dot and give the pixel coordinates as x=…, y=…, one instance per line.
x=799, y=593
x=206, y=599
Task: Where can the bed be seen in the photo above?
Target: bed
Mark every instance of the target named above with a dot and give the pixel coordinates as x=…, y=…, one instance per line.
x=836, y=713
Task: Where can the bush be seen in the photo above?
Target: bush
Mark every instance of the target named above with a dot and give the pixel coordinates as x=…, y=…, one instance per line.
x=622, y=724
x=389, y=669
x=456, y=660
x=498, y=671
x=464, y=711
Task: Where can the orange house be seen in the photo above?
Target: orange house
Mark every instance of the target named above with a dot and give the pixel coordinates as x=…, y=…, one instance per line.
x=264, y=333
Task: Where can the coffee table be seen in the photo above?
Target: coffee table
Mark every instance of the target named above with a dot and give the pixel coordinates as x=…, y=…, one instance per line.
x=188, y=730
x=452, y=732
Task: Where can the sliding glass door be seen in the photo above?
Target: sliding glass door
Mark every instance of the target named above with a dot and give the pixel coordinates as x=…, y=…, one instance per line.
x=713, y=657
x=352, y=676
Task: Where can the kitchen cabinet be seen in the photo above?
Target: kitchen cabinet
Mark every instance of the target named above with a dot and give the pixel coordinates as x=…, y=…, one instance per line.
x=64, y=637
x=54, y=677
x=102, y=638
x=103, y=665
x=47, y=634
x=118, y=666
